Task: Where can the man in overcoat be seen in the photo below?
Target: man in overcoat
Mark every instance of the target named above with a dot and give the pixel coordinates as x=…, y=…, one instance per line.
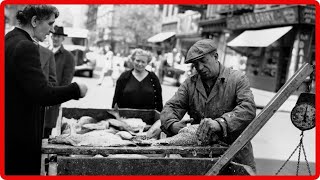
x=65, y=67
x=48, y=65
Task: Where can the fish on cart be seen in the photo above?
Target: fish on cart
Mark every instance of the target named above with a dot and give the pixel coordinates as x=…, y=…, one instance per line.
x=185, y=137
x=88, y=131
x=94, y=138
x=96, y=126
x=132, y=125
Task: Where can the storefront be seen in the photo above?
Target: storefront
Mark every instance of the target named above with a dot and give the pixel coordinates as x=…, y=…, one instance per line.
x=216, y=29
x=273, y=44
x=187, y=31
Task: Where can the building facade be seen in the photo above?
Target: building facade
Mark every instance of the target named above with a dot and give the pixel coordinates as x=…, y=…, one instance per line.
x=268, y=42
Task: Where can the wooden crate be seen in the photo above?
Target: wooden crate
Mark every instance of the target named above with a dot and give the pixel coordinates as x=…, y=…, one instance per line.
x=142, y=166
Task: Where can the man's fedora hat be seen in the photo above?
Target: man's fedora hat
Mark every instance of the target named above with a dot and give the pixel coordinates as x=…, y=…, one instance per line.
x=58, y=30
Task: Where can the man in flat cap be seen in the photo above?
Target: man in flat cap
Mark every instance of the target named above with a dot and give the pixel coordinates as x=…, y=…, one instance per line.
x=216, y=97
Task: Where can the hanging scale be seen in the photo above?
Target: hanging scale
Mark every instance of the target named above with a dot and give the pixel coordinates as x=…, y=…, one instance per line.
x=303, y=118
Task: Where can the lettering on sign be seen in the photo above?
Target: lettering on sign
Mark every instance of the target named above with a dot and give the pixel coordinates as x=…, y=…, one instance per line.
x=264, y=17
x=304, y=37
x=282, y=16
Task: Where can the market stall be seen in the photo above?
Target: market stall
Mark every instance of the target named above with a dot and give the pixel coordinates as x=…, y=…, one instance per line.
x=159, y=160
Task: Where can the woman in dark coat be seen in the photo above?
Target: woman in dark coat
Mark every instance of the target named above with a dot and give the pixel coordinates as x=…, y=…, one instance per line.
x=27, y=90
x=138, y=88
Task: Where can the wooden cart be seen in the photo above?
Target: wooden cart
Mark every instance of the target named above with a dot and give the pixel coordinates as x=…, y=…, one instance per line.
x=68, y=161
x=217, y=165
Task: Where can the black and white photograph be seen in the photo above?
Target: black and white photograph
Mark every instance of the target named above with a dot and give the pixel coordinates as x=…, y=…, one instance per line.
x=159, y=89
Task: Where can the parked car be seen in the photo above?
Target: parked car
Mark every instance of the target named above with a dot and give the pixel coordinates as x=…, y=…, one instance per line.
x=178, y=74
x=77, y=43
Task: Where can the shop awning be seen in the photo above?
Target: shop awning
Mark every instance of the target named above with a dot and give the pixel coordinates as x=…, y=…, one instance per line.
x=161, y=37
x=259, y=38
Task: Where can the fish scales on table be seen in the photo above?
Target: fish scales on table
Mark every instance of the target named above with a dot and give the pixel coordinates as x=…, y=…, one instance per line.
x=185, y=137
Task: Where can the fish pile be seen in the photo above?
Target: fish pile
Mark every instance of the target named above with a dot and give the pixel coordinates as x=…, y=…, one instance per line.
x=93, y=138
x=119, y=131
x=185, y=137
x=87, y=131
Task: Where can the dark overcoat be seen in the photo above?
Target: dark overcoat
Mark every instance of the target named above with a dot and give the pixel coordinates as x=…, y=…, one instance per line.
x=48, y=65
x=26, y=90
x=65, y=65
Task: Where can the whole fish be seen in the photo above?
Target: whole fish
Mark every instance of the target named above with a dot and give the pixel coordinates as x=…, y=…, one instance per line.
x=86, y=120
x=154, y=131
x=132, y=125
x=96, y=126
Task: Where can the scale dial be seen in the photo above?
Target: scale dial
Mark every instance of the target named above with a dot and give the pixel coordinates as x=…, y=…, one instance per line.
x=303, y=116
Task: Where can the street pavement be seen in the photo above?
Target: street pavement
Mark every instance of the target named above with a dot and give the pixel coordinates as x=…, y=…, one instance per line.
x=272, y=145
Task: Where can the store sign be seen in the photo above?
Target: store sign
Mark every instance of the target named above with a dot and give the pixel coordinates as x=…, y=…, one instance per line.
x=282, y=16
x=308, y=15
x=305, y=40
x=232, y=8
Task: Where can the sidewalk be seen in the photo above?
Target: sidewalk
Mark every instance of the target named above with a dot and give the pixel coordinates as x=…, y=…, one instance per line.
x=262, y=98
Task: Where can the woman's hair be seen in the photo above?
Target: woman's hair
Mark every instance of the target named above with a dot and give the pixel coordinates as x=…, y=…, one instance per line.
x=42, y=12
x=141, y=52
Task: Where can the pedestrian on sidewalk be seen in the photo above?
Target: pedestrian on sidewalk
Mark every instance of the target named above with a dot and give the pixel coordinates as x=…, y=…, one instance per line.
x=27, y=90
x=217, y=98
x=138, y=88
x=108, y=64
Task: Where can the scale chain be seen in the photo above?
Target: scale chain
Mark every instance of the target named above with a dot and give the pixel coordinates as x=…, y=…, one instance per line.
x=287, y=160
x=290, y=155
x=305, y=157
x=298, y=164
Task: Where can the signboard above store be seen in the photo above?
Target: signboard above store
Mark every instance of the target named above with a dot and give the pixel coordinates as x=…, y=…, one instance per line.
x=276, y=17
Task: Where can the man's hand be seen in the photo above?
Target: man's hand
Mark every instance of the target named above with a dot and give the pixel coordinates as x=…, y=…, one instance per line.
x=207, y=130
x=83, y=89
x=175, y=127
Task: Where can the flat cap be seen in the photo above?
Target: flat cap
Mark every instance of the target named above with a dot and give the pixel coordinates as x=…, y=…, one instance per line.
x=200, y=49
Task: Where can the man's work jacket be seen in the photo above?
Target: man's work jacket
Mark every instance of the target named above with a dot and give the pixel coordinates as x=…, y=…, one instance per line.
x=230, y=98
